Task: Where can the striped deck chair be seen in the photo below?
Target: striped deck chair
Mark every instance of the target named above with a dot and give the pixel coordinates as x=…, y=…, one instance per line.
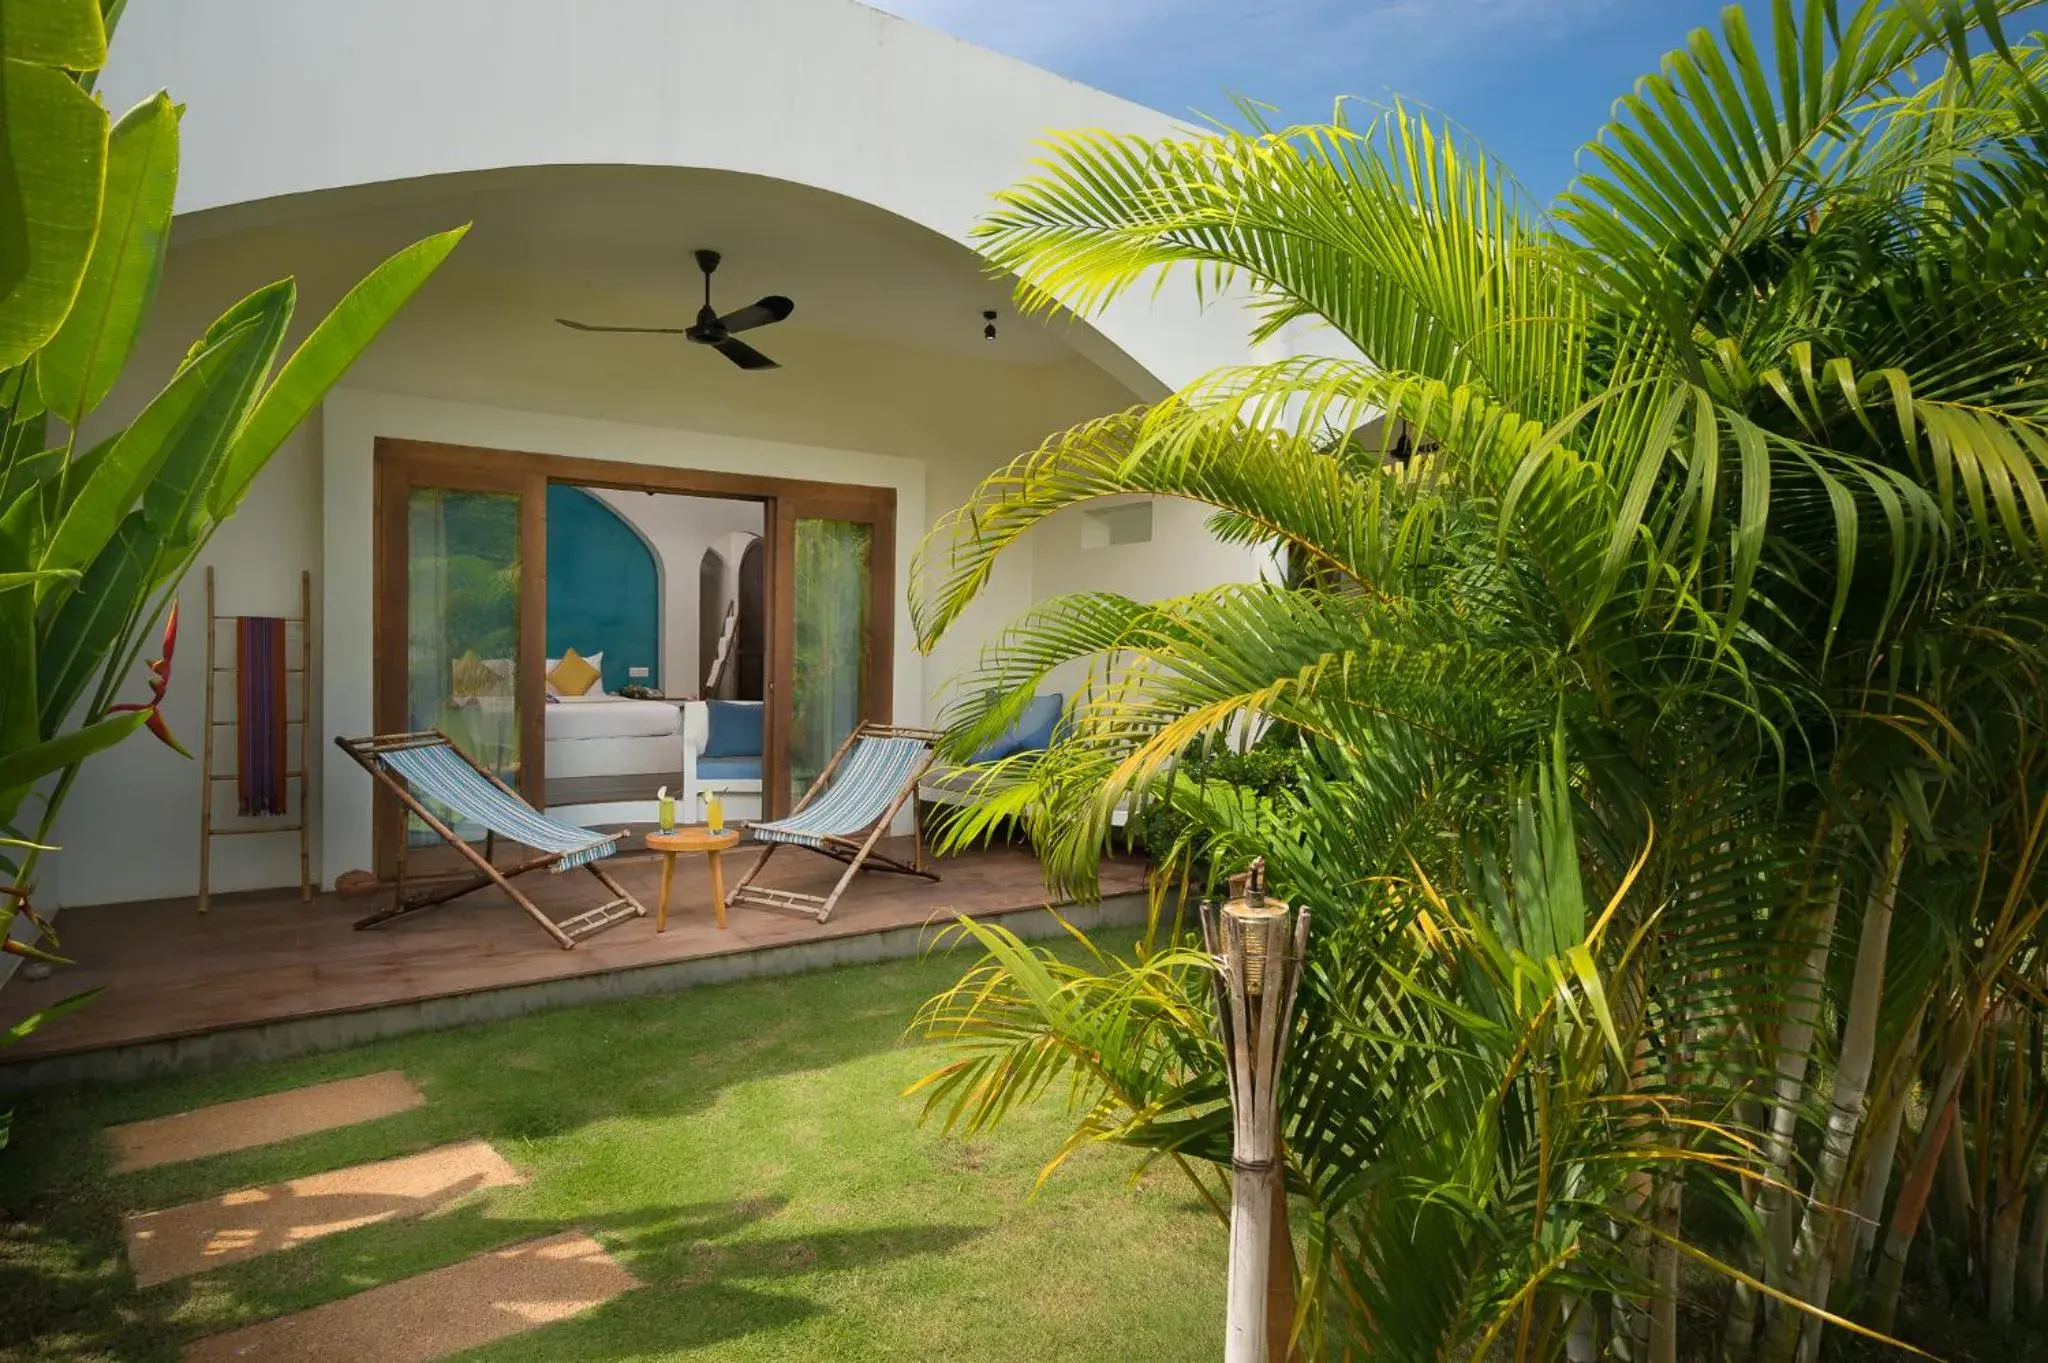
x=845, y=813
x=422, y=767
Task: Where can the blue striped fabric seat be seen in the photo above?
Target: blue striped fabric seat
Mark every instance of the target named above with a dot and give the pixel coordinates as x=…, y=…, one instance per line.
x=439, y=773
x=869, y=780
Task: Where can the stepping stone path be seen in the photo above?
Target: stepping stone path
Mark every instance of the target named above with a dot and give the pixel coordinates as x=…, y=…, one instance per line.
x=436, y=1314
x=428, y=1316
x=260, y=1121
x=251, y=1221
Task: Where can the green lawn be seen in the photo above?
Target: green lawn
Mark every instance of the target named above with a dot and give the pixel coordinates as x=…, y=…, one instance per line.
x=745, y=1151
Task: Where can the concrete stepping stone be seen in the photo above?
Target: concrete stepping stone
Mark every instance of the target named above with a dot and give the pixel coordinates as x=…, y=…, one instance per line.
x=199, y=1236
x=433, y=1315
x=260, y=1121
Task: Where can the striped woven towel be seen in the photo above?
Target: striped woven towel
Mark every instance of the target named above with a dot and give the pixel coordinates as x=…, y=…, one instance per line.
x=260, y=716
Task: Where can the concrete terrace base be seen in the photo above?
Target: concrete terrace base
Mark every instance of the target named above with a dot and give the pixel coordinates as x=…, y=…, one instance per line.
x=289, y=1037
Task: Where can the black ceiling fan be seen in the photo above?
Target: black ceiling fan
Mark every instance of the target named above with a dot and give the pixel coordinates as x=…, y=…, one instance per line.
x=711, y=329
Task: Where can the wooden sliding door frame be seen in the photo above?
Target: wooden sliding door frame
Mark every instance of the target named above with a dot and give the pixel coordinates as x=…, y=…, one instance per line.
x=396, y=479
x=878, y=660
x=402, y=465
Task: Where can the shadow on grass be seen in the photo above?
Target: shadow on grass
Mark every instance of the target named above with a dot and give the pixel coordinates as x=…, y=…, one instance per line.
x=707, y=1274
x=72, y=1295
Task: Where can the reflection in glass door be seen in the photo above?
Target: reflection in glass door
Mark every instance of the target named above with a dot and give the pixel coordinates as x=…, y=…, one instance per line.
x=832, y=638
x=462, y=627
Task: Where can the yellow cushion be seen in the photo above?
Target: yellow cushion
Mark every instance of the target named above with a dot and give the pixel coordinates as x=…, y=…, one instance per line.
x=471, y=677
x=573, y=675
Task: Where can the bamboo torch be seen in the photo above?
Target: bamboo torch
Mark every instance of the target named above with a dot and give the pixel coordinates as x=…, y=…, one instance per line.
x=1258, y=945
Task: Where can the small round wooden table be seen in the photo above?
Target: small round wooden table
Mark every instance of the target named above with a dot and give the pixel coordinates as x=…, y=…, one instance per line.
x=694, y=838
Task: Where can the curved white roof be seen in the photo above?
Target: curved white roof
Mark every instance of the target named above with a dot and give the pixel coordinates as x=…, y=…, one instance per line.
x=290, y=97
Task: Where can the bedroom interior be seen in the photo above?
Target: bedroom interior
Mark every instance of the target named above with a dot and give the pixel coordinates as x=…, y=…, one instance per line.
x=661, y=595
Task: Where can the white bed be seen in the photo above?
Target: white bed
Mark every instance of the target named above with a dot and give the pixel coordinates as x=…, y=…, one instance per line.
x=612, y=736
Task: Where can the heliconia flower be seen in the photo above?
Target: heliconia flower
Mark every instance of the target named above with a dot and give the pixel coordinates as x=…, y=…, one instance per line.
x=159, y=682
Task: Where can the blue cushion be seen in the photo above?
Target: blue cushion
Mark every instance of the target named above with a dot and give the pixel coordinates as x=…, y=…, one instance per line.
x=1031, y=730
x=728, y=769
x=735, y=729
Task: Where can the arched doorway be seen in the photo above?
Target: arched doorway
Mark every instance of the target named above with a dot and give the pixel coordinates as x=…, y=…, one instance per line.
x=710, y=620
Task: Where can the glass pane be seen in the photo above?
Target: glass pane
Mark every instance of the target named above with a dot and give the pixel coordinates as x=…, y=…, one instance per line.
x=831, y=643
x=462, y=628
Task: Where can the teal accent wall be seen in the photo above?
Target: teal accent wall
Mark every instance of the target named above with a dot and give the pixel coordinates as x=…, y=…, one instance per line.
x=604, y=588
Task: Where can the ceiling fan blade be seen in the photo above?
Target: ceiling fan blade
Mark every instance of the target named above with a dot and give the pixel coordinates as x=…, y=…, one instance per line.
x=744, y=355
x=650, y=331
x=773, y=308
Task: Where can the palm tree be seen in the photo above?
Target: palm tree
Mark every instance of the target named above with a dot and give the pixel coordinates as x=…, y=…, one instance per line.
x=1636, y=559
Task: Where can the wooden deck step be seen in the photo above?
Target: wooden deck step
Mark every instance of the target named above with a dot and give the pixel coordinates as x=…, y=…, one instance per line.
x=582, y=925
x=414, y=1320
x=200, y=1236
x=251, y=1122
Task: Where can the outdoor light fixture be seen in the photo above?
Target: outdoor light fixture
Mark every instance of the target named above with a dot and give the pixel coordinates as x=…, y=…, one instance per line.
x=1261, y=925
x=988, y=333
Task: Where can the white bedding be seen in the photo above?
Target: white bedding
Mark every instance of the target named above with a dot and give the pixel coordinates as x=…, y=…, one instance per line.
x=660, y=755
x=612, y=717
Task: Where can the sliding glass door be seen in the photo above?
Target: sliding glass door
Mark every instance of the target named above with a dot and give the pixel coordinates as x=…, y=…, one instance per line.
x=462, y=621
x=834, y=555
x=457, y=583
x=462, y=609
x=833, y=632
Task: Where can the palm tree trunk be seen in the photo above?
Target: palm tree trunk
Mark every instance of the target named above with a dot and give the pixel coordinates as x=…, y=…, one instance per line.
x=1880, y=1158
x=1917, y=1188
x=1956, y=1199
x=1582, y=1334
x=1811, y=1252
x=2009, y=1205
x=2034, y=1264
x=1795, y=1043
x=1910, y=1210
x=1632, y=1327
x=1664, y=1261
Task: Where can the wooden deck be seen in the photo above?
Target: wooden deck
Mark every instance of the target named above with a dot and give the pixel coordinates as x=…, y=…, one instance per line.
x=264, y=958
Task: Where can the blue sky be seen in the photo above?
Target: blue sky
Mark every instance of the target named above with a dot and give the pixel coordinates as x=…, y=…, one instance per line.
x=1533, y=78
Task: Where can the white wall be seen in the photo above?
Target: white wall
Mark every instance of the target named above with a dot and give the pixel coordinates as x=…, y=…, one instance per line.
x=130, y=829
x=679, y=530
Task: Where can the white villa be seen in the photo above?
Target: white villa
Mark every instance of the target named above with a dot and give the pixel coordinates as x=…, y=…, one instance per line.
x=833, y=155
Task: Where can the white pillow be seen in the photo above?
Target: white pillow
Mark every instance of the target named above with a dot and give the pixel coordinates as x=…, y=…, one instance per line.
x=596, y=660
x=592, y=694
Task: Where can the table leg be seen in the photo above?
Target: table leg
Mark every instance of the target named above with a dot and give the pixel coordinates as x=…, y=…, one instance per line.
x=668, y=869
x=717, y=888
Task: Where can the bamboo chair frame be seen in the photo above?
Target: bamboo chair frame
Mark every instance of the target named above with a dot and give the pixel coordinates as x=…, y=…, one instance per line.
x=566, y=933
x=858, y=852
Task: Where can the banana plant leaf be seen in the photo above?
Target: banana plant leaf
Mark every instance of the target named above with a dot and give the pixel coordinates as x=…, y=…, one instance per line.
x=200, y=405
x=176, y=498
x=78, y=367
x=322, y=358
x=71, y=34
x=53, y=151
x=25, y=766
x=91, y=621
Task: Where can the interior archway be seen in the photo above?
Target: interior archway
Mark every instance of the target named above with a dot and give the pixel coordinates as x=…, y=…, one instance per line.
x=604, y=584
x=711, y=606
